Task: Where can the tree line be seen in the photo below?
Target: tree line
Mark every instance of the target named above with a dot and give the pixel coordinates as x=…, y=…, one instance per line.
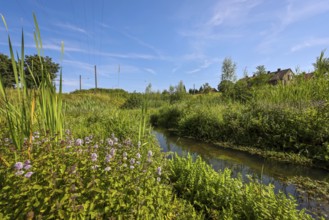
x=35, y=67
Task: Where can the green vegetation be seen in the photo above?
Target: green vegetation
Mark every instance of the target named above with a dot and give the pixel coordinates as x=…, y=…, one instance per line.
x=289, y=118
x=219, y=196
x=91, y=154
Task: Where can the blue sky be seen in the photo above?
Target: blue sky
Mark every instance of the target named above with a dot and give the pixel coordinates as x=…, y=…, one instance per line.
x=163, y=42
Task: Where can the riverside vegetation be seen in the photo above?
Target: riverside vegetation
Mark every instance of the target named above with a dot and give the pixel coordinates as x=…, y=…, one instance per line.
x=92, y=156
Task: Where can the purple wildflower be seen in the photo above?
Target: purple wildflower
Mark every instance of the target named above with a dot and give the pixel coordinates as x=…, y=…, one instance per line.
x=124, y=154
x=36, y=134
x=28, y=174
x=149, y=155
x=127, y=142
x=27, y=167
x=87, y=140
x=78, y=142
x=18, y=165
x=27, y=162
x=132, y=167
x=132, y=161
x=67, y=132
x=138, y=155
x=112, y=152
x=96, y=146
x=93, y=157
x=107, y=169
x=158, y=179
x=6, y=139
x=109, y=141
x=19, y=173
x=115, y=140
x=159, y=171
x=108, y=158
x=138, y=162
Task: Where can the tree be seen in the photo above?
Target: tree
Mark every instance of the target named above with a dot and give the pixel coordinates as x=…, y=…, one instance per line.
x=225, y=86
x=245, y=72
x=148, y=89
x=228, y=70
x=321, y=65
x=180, y=88
x=260, y=70
x=40, y=67
x=178, y=92
x=206, y=88
x=6, y=71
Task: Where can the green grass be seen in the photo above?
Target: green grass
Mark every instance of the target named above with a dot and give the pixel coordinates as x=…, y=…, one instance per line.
x=108, y=165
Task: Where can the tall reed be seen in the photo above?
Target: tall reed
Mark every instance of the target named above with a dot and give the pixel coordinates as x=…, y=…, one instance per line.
x=43, y=101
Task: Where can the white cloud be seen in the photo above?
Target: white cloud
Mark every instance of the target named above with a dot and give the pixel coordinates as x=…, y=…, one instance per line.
x=293, y=12
x=174, y=70
x=205, y=65
x=149, y=70
x=71, y=27
x=298, y=10
x=311, y=43
x=79, y=64
x=144, y=44
x=232, y=12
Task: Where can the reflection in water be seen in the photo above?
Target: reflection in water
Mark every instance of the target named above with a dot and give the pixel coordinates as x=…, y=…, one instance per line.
x=268, y=171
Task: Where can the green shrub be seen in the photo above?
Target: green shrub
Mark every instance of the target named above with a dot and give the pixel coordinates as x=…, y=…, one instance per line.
x=219, y=196
x=134, y=101
x=168, y=117
x=88, y=179
x=201, y=125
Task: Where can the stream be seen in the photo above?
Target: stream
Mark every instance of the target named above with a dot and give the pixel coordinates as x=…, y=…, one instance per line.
x=266, y=170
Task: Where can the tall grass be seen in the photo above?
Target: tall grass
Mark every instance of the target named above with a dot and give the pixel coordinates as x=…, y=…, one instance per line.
x=302, y=94
x=42, y=102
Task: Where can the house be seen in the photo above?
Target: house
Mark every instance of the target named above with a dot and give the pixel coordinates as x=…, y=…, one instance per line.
x=281, y=76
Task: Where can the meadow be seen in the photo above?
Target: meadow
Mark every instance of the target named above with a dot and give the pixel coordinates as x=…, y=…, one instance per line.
x=91, y=155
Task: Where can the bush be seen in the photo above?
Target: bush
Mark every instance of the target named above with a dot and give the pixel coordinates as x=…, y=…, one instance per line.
x=168, y=117
x=201, y=125
x=134, y=101
x=219, y=196
x=88, y=179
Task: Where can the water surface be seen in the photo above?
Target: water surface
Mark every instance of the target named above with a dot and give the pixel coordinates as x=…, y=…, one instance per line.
x=267, y=170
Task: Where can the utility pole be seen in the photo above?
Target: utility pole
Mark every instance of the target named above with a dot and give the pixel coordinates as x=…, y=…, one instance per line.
x=80, y=82
x=119, y=76
x=95, y=78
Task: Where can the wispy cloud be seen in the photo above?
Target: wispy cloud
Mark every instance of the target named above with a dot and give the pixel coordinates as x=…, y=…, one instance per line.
x=149, y=70
x=205, y=65
x=71, y=27
x=144, y=44
x=294, y=11
x=174, y=70
x=311, y=43
x=298, y=10
x=232, y=12
x=79, y=64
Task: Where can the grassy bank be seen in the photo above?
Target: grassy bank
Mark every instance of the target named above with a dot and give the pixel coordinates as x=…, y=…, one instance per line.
x=298, y=125
x=124, y=180
x=84, y=156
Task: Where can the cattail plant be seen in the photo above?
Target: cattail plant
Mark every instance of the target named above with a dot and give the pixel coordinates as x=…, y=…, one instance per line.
x=42, y=100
